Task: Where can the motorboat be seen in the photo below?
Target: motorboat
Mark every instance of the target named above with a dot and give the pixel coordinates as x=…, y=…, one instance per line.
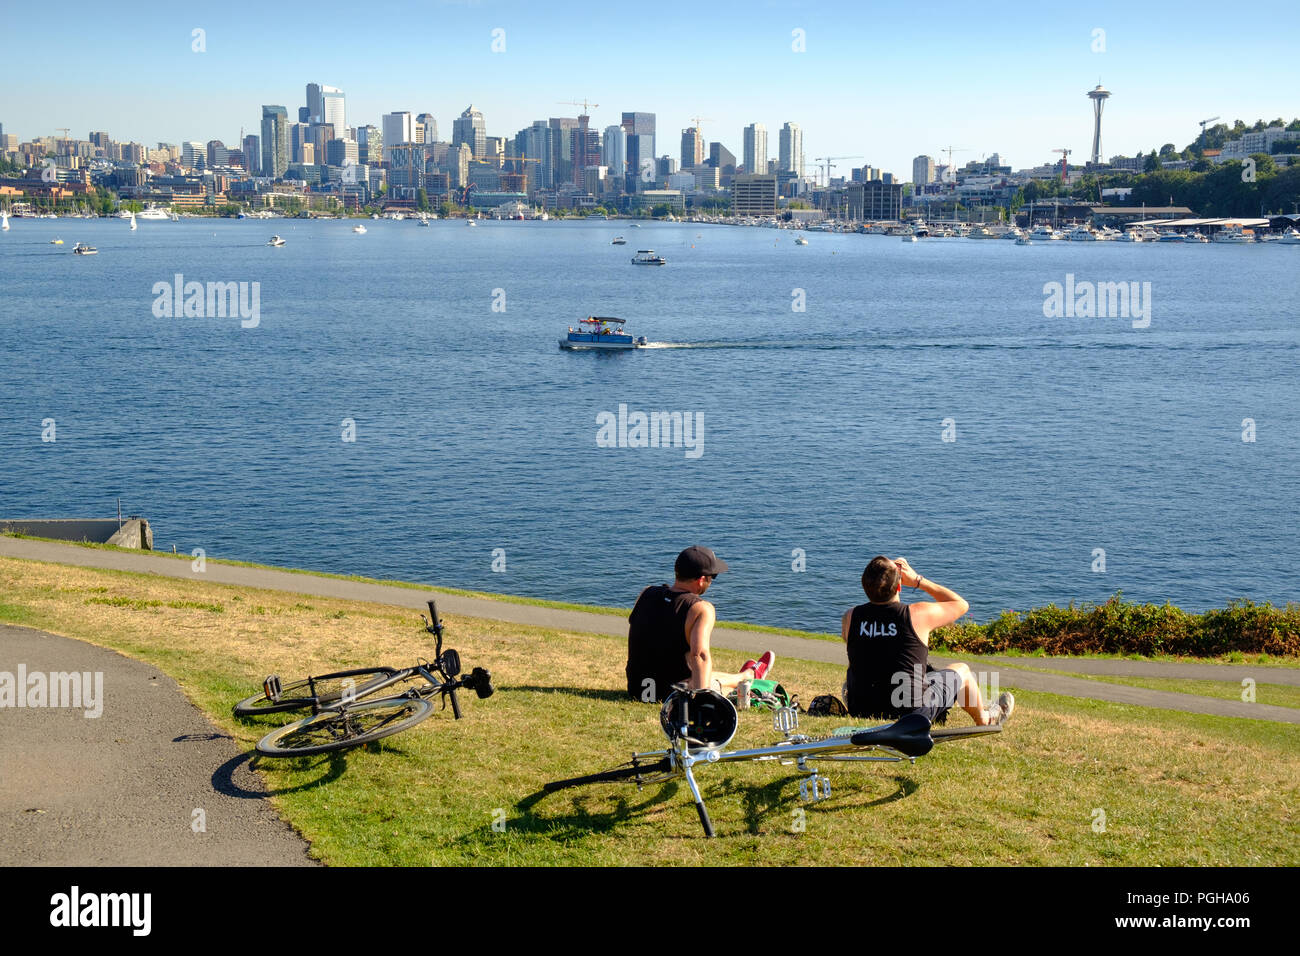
x=1081, y=234
x=359, y=229
x=1194, y=236
x=423, y=222
x=470, y=222
x=800, y=241
x=648, y=257
x=83, y=250
x=1233, y=233
x=618, y=241
x=1044, y=232
x=601, y=332
x=1291, y=237
x=275, y=241
x=56, y=242
x=1171, y=236
x=154, y=212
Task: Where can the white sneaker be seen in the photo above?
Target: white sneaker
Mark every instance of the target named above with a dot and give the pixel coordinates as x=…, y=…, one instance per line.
x=999, y=712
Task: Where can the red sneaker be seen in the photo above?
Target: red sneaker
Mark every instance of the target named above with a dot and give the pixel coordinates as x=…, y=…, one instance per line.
x=761, y=666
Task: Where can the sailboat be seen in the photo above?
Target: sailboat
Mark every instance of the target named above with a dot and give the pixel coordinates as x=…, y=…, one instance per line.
x=4, y=222
x=133, y=225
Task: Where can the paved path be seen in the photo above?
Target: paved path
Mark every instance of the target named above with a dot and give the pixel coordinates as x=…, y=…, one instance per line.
x=121, y=788
x=731, y=638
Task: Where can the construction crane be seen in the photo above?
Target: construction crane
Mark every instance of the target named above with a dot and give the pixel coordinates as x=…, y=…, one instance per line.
x=949, y=172
x=586, y=106
x=1204, y=123
x=826, y=161
x=1065, y=162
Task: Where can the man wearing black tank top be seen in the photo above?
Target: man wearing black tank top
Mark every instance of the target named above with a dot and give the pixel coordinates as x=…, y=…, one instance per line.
x=669, y=632
x=889, y=647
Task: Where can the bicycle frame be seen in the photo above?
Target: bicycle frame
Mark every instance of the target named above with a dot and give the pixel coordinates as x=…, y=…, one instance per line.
x=891, y=743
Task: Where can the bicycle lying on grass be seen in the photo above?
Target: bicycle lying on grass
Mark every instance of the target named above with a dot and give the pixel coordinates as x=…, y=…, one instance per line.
x=349, y=708
x=700, y=723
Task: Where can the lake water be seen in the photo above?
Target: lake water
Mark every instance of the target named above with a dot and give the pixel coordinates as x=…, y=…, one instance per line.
x=823, y=430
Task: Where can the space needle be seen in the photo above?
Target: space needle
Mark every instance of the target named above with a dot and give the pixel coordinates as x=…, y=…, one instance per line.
x=1098, y=97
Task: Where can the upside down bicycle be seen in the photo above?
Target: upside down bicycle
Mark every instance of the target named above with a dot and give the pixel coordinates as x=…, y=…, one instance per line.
x=700, y=723
x=354, y=707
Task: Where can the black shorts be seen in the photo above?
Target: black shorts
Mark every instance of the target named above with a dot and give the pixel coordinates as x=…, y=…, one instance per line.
x=942, y=686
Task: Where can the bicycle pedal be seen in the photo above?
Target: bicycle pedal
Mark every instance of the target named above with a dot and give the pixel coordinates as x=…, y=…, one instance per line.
x=815, y=788
x=271, y=687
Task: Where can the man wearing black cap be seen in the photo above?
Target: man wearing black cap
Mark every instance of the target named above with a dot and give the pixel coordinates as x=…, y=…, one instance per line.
x=669, y=631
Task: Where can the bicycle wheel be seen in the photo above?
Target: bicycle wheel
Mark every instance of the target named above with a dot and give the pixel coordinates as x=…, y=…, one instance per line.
x=347, y=726
x=329, y=688
x=644, y=773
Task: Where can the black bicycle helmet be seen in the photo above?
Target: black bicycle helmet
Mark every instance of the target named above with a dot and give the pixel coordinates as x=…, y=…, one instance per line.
x=709, y=718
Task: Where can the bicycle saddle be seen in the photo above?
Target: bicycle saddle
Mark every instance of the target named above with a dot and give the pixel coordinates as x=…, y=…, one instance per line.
x=909, y=735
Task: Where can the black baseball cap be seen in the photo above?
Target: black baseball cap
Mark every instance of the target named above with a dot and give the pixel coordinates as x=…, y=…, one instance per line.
x=696, y=561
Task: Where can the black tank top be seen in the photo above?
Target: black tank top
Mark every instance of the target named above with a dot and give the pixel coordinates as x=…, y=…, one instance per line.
x=887, y=662
x=656, y=642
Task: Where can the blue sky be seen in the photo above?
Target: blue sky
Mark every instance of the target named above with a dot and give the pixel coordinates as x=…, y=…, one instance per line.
x=880, y=81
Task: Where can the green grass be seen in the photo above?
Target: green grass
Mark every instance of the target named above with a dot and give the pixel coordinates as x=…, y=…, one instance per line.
x=1176, y=789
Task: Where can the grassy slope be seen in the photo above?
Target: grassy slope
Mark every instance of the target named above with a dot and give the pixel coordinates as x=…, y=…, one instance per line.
x=1175, y=788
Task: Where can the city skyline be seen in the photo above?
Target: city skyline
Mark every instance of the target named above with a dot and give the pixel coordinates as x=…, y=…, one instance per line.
x=981, y=89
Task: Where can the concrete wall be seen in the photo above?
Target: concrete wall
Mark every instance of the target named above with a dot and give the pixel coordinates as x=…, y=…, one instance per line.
x=134, y=533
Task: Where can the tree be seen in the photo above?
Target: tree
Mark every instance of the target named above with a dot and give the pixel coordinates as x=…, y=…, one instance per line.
x=421, y=200
x=1168, y=150
x=1152, y=163
x=661, y=210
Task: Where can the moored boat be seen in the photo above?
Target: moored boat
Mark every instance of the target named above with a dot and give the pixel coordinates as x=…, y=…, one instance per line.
x=648, y=257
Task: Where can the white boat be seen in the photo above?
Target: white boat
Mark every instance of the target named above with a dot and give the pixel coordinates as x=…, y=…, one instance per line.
x=423, y=222
x=82, y=250
x=601, y=332
x=618, y=241
x=359, y=229
x=4, y=222
x=154, y=212
x=981, y=232
x=1024, y=240
x=648, y=257
x=1081, y=234
x=1044, y=232
x=1291, y=237
x=470, y=222
x=133, y=225
x=275, y=241
x=1232, y=233
x=800, y=241
x=1194, y=236
x=175, y=218
x=1170, y=236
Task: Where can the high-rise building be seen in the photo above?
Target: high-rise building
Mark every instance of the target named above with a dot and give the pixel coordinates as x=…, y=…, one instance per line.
x=253, y=154
x=563, y=131
x=275, y=141
x=426, y=128
x=370, y=145
x=641, y=167
x=398, y=128
x=334, y=110
x=470, y=129
x=218, y=155
x=791, y=157
x=586, y=149
x=194, y=155
x=755, y=149
x=692, y=147
x=341, y=152
x=315, y=105
x=754, y=195
x=534, y=142
x=720, y=157
x=613, y=154
x=923, y=170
